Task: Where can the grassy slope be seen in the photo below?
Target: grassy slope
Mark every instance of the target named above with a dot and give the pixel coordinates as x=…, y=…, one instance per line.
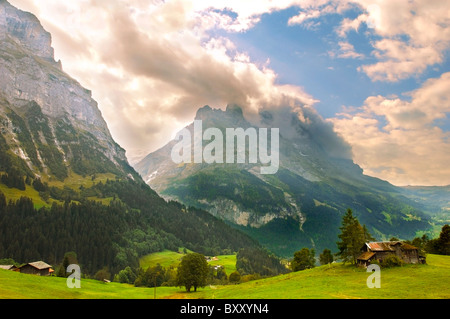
x=228, y=261
x=343, y=282
x=165, y=258
x=170, y=258
x=14, y=285
x=74, y=181
x=30, y=192
x=325, y=282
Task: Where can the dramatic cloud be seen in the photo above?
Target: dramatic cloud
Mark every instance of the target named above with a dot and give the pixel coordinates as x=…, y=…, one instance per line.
x=414, y=34
x=410, y=35
x=399, y=139
x=151, y=65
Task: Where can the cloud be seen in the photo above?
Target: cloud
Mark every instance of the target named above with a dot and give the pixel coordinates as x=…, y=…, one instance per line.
x=409, y=36
x=348, y=25
x=151, y=65
x=346, y=51
x=413, y=36
x=400, y=60
x=303, y=16
x=399, y=139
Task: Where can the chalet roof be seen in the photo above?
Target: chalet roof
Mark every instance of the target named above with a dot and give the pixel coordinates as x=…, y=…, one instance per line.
x=39, y=265
x=406, y=246
x=366, y=255
x=388, y=246
x=7, y=267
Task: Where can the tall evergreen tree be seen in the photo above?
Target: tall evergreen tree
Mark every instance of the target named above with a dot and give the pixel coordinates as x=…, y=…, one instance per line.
x=444, y=240
x=352, y=238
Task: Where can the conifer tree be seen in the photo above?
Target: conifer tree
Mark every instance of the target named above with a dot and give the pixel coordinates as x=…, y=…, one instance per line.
x=326, y=257
x=352, y=238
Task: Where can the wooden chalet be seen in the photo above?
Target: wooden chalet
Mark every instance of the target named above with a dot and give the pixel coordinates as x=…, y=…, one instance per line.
x=8, y=267
x=381, y=250
x=39, y=268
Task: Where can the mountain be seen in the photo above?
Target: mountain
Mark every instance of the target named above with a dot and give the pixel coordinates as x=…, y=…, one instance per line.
x=65, y=184
x=47, y=118
x=301, y=205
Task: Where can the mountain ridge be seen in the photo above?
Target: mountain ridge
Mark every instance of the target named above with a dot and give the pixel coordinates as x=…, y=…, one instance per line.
x=293, y=207
x=32, y=79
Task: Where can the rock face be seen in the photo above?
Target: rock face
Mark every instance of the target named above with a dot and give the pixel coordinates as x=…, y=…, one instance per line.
x=31, y=76
x=26, y=29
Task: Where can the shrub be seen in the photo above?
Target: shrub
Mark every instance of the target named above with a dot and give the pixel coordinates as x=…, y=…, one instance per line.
x=391, y=261
x=235, y=277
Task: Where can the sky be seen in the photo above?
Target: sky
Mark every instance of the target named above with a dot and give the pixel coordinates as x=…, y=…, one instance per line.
x=378, y=71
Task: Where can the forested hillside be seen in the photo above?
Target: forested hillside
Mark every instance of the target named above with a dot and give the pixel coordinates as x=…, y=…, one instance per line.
x=136, y=222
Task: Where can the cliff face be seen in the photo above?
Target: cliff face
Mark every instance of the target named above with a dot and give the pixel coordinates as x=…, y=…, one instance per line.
x=26, y=29
x=30, y=76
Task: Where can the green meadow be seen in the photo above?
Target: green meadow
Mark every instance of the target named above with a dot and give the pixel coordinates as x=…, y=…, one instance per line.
x=15, y=194
x=14, y=285
x=227, y=261
x=338, y=281
x=73, y=181
x=169, y=258
x=165, y=258
x=335, y=281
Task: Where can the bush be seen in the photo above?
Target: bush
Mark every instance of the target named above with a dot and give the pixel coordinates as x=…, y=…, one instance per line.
x=391, y=261
x=303, y=259
x=235, y=277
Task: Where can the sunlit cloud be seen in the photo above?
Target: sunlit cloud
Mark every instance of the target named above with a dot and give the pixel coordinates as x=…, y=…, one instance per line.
x=399, y=139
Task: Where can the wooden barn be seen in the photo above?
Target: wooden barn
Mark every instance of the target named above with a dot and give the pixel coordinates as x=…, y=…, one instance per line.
x=381, y=250
x=8, y=267
x=39, y=268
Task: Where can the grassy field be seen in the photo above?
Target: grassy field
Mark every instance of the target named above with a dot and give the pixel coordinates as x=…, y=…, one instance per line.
x=169, y=258
x=74, y=181
x=227, y=261
x=15, y=194
x=430, y=281
x=14, y=285
x=165, y=258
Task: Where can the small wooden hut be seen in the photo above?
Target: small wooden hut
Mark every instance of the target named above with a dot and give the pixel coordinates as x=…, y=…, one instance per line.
x=39, y=268
x=8, y=267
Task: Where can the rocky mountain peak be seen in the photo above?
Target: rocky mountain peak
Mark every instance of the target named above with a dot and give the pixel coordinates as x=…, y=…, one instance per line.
x=30, y=75
x=25, y=29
